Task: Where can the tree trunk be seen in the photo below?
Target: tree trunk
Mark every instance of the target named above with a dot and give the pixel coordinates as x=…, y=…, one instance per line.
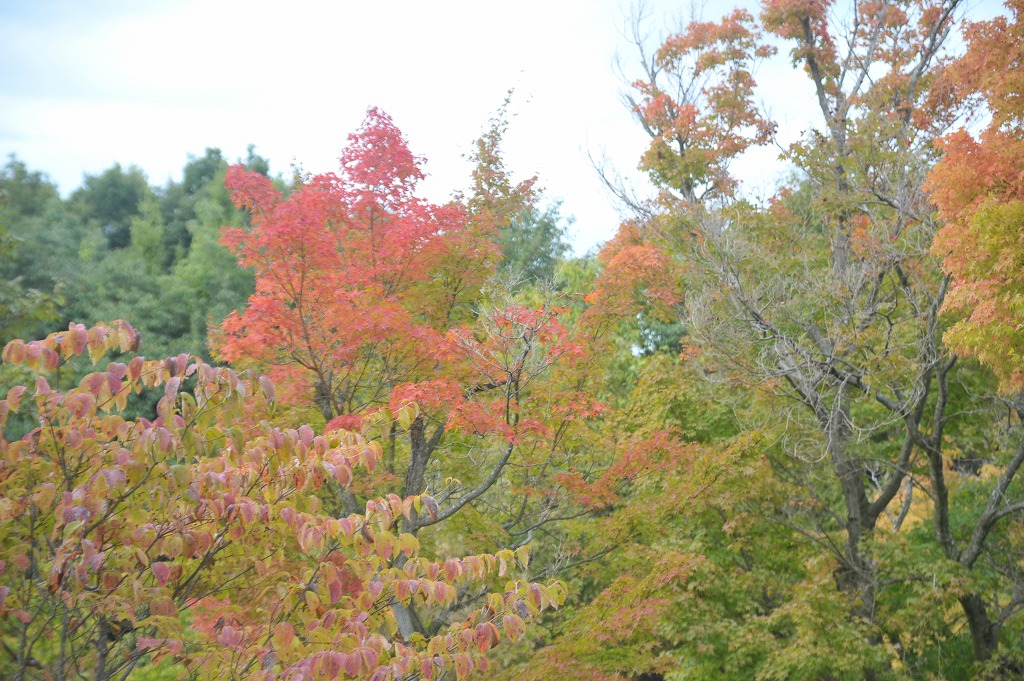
x=102, y=648
x=322, y=398
x=984, y=632
x=856, y=578
x=415, y=477
x=421, y=447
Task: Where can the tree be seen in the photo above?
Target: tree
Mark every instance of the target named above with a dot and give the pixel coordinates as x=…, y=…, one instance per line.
x=373, y=307
x=21, y=308
x=45, y=235
x=696, y=104
x=632, y=562
x=531, y=239
x=826, y=301
x=112, y=199
x=118, y=283
x=209, y=275
x=202, y=180
x=192, y=538
x=980, y=193
x=533, y=244
x=342, y=266
x=25, y=192
x=174, y=290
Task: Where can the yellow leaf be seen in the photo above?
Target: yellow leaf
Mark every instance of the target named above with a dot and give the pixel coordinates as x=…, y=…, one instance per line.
x=312, y=601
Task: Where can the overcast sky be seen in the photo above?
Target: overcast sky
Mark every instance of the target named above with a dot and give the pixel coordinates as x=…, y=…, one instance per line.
x=85, y=84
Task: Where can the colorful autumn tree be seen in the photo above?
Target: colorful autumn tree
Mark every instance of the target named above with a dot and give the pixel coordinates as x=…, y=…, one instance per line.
x=696, y=103
x=380, y=309
x=192, y=538
x=364, y=291
x=343, y=270
x=979, y=190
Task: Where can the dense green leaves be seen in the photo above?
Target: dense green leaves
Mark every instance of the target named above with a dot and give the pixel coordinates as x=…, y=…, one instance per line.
x=533, y=245
x=112, y=199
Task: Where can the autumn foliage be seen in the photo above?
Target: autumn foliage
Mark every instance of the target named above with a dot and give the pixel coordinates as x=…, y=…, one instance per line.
x=759, y=437
x=382, y=310
x=707, y=116
x=979, y=188
x=190, y=538
x=354, y=289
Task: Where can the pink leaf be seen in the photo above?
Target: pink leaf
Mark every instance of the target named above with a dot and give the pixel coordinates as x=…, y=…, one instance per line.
x=161, y=572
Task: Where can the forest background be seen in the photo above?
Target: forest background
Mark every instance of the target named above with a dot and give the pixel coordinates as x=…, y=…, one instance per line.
x=749, y=438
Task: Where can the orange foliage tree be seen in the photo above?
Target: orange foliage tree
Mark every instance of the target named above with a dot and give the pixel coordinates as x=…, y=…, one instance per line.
x=354, y=289
x=979, y=189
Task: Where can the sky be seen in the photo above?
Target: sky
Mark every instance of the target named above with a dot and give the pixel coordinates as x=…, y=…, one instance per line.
x=85, y=84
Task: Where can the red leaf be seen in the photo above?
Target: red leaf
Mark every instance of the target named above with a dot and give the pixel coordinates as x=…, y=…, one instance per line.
x=335, y=590
x=369, y=658
x=14, y=397
x=513, y=626
x=268, y=389
x=330, y=664
x=430, y=505
x=161, y=572
x=171, y=389
x=352, y=663
x=486, y=636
